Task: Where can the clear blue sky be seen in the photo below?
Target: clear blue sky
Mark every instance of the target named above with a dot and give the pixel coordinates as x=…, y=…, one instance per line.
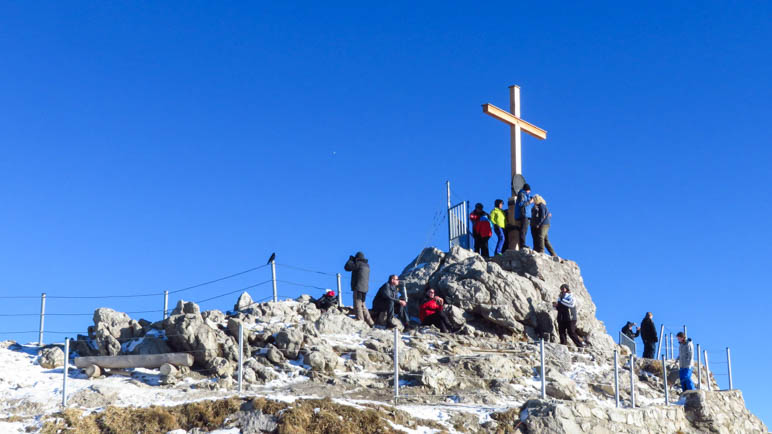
x=151, y=146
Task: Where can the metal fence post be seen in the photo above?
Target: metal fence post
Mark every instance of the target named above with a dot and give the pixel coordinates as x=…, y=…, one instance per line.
x=241, y=355
x=273, y=280
x=672, y=348
x=543, y=380
x=632, y=381
x=396, y=365
x=66, y=368
x=340, y=292
x=166, y=304
x=616, y=377
x=661, y=336
x=664, y=379
x=699, y=368
x=42, y=317
x=707, y=371
x=729, y=366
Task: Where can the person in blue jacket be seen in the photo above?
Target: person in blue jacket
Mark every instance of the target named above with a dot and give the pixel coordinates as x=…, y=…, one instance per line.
x=522, y=205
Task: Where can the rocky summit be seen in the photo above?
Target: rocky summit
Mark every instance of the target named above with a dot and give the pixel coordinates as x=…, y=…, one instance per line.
x=485, y=377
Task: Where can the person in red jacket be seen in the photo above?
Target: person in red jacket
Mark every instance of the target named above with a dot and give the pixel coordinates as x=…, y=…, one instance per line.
x=431, y=312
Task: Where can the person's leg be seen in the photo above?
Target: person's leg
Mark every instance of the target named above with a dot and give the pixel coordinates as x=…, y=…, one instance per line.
x=647, y=350
x=572, y=333
x=538, y=242
x=485, y=252
x=545, y=239
x=477, y=243
x=361, y=309
x=505, y=247
x=435, y=320
x=358, y=306
x=523, y=232
x=402, y=315
x=562, y=330
x=499, y=240
x=686, y=379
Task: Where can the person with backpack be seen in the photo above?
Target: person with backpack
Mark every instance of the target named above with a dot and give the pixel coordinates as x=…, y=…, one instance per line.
x=567, y=316
x=385, y=301
x=360, y=282
x=432, y=312
x=540, y=225
x=326, y=301
x=522, y=204
x=685, y=359
x=648, y=335
x=499, y=221
x=481, y=230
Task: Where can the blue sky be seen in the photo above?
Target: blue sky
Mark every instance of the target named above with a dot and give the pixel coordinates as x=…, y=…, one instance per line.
x=151, y=146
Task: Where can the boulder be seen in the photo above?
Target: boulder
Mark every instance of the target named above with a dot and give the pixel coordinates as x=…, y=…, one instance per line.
x=244, y=302
x=559, y=386
x=151, y=345
x=186, y=307
x=51, y=357
x=190, y=333
x=289, y=341
x=116, y=324
x=214, y=316
x=438, y=378
x=274, y=355
x=322, y=358
x=332, y=322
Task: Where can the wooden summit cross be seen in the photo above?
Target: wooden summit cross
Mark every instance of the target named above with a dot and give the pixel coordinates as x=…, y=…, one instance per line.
x=516, y=125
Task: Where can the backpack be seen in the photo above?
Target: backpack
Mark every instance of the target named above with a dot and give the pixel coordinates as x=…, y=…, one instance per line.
x=483, y=227
x=326, y=301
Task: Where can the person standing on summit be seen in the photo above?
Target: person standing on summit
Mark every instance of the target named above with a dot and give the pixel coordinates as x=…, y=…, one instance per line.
x=481, y=230
x=648, y=335
x=521, y=212
x=360, y=282
x=499, y=221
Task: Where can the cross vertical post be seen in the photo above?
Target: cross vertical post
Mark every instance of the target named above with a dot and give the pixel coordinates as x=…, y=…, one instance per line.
x=514, y=131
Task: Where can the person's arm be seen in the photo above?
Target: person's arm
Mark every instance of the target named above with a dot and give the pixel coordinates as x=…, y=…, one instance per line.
x=542, y=214
x=350, y=264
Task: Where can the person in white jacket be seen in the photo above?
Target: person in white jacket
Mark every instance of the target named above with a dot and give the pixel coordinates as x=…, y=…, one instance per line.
x=685, y=358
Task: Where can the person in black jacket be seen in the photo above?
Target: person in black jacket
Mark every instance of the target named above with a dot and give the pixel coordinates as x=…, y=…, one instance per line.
x=649, y=336
x=567, y=316
x=628, y=330
x=385, y=300
x=360, y=282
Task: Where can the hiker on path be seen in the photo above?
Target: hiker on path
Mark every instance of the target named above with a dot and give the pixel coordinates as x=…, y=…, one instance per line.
x=432, y=313
x=567, y=316
x=385, y=301
x=685, y=359
x=522, y=204
x=499, y=221
x=360, y=282
x=540, y=225
x=481, y=230
x=648, y=336
x=627, y=330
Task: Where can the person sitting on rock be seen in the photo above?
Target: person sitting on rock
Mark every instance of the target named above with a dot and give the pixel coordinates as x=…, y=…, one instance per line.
x=685, y=359
x=432, y=313
x=385, y=300
x=326, y=301
x=567, y=316
x=627, y=330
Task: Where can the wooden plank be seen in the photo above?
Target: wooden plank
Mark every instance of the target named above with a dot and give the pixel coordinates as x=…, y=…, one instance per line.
x=511, y=119
x=135, y=361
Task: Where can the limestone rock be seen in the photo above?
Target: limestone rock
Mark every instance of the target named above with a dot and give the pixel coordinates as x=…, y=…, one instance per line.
x=244, y=302
x=51, y=357
x=190, y=333
x=151, y=345
x=560, y=386
x=274, y=355
x=214, y=316
x=289, y=342
x=332, y=322
x=438, y=378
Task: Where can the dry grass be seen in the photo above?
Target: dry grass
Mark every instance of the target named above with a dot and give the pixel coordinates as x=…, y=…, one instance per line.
x=313, y=416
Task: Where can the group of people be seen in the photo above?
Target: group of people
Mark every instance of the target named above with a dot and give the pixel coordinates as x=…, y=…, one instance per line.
x=648, y=333
x=511, y=226
x=390, y=302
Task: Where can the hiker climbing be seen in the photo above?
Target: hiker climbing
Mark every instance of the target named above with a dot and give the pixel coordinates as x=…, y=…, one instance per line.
x=567, y=316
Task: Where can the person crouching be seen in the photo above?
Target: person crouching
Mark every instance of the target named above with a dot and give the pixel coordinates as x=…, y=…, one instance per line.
x=431, y=311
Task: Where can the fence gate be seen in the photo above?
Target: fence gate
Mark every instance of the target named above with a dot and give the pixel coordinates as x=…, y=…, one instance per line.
x=458, y=227
x=629, y=343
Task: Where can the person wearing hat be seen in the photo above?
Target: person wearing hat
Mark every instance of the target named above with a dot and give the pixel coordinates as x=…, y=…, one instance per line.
x=360, y=282
x=567, y=316
x=481, y=230
x=326, y=301
x=522, y=204
x=627, y=330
